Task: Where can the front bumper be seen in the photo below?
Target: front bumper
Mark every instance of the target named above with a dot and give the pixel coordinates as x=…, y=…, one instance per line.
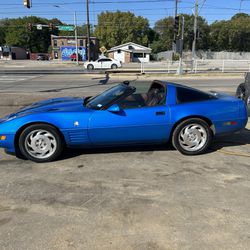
x=9, y=143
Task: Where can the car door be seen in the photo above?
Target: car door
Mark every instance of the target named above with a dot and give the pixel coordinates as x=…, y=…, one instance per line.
x=107, y=63
x=130, y=126
x=98, y=64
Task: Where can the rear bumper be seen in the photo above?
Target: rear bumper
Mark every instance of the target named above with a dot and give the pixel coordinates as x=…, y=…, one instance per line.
x=223, y=127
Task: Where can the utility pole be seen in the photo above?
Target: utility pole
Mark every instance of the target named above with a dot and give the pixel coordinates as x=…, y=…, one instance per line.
x=180, y=45
x=195, y=31
x=76, y=38
x=175, y=15
x=88, y=30
x=176, y=7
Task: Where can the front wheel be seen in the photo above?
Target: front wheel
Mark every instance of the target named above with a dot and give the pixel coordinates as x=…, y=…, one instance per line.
x=192, y=137
x=40, y=143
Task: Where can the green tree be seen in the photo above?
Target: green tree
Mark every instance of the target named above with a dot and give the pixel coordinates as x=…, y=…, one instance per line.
x=17, y=33
x=231, y=35
x=165, y=30
x=116, y=28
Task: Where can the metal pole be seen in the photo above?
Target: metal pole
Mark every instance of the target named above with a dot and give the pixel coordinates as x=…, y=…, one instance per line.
x=176, y=13
x=195, y=32
x=180, y=69
x=176, y=7
x=76, y=39
x=88, y=29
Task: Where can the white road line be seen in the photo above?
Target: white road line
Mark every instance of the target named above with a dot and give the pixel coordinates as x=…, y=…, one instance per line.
x=8, y=79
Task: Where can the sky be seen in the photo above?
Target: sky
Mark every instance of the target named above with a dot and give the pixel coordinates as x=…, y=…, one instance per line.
x=153, y=10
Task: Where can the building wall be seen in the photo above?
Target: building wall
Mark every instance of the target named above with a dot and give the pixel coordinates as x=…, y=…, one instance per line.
x=14, y=53
x=128, y=58
x=119, y=56
x=123, y=56
x=58, y=42
x=111, y=55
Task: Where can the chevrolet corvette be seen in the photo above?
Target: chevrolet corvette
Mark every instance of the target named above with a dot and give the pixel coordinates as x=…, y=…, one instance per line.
x=122, y=116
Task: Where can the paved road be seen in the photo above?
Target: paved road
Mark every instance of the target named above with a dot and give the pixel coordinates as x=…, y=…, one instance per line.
x=124, y=198
x=88, y=83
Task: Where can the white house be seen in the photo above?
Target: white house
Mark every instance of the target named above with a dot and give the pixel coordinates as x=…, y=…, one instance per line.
x=130, y=52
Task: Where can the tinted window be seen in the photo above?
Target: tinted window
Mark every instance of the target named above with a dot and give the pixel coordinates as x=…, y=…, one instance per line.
x=104, y=60
x=184, y=95
x=110, y=95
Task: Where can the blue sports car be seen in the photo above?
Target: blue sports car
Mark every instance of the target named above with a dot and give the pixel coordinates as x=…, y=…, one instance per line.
x=120, y=116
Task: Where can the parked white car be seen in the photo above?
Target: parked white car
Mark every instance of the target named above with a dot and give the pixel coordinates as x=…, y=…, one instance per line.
x=103, y=63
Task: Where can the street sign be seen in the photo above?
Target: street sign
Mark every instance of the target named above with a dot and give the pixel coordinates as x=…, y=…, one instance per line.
x=66, y=28
x=103, y=49
x=39, y=27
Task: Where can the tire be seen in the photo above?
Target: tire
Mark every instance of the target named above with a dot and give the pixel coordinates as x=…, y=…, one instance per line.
x=192, y=142
x=242, y=92
x=114, y=66
x=90, y=67
x=40, y=143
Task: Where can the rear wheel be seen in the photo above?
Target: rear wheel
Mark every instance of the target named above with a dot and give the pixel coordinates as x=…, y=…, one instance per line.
x=90, y=67
x=40, y=143
x=192, y=136
x=114, y=66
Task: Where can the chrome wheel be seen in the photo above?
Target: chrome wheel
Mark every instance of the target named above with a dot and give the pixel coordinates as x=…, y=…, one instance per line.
x=40, y=144
x=192, y=137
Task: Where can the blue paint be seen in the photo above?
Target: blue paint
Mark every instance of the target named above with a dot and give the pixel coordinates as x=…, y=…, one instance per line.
x=67, y=51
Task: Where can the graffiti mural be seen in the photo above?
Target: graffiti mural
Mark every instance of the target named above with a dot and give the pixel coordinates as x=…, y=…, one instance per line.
x=67, y=51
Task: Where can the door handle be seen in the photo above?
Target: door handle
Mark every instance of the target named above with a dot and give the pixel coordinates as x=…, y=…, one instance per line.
x=160, y=113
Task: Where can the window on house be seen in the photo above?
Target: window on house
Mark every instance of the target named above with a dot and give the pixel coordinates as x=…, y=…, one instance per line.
x=139, y=55
x=81, y=42
x=119, y=51
x=55, y=43
x=130, y=47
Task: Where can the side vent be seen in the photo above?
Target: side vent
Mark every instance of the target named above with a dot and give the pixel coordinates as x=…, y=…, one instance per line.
x=78, y=136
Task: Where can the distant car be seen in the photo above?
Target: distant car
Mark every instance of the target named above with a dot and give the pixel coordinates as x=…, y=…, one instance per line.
x=122, y=116
x=103, y=63
x=243, y=91
x=42, y=58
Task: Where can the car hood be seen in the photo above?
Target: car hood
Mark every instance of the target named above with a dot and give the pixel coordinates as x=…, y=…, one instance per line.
x=66, y=104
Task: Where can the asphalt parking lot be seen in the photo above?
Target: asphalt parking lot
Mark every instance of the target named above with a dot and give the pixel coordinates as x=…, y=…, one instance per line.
x=149, y=197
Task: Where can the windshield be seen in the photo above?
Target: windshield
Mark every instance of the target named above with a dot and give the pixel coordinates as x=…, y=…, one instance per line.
x=109, y=96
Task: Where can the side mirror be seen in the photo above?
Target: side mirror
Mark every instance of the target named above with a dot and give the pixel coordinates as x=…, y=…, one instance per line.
x=114, y=108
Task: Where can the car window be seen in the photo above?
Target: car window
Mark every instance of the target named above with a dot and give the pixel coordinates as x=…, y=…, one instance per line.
x=104, y=60
x=109, y=96
x=184, y=95
x=155, y=96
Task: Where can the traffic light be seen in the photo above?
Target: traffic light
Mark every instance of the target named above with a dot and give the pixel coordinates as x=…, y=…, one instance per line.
x=27, y=3
x=29, y=26
x=177, y=25
x=51, y=26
